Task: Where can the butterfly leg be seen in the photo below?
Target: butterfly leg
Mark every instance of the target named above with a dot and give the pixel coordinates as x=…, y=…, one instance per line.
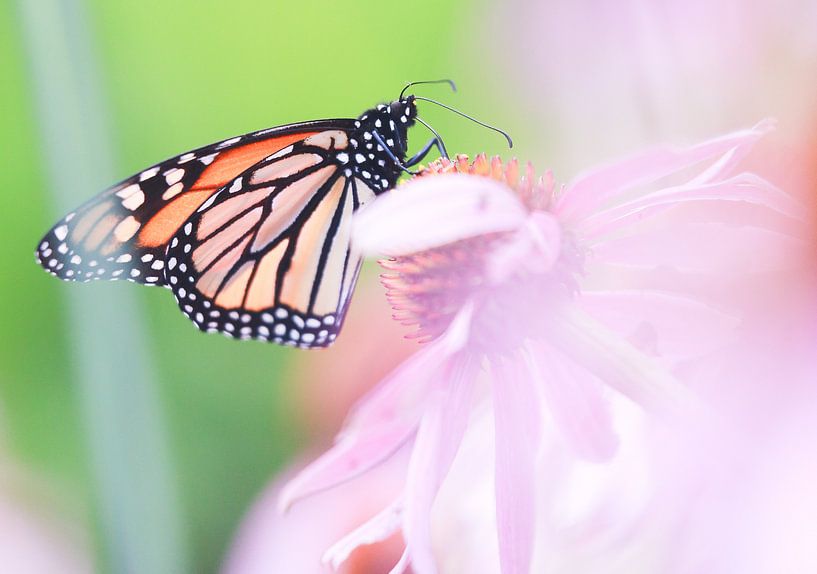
x=379, y=139
x=418, y=157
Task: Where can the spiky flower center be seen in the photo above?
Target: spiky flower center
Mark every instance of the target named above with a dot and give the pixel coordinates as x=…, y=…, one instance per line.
x=507, y=276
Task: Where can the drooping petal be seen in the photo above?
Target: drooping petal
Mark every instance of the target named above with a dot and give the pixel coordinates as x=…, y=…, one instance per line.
x=380, y=424
x=573, y=396
x=744, y=187
x=518, y=434
x=593, y=189
x=347, y=459
x=403, y=393
x=378, y=528
x=437, y=443
x=384, y=419
x=616, y=362
x=428, y=212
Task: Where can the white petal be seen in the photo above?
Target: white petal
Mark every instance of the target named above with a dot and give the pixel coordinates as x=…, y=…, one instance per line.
x=377, y=528
x=436, y=210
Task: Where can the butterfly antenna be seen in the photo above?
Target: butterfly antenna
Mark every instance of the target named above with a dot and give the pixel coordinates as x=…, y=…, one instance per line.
x=449, y=82
x=476, y=121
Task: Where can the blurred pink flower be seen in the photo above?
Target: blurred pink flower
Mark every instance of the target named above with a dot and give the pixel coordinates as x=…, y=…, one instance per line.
x=269, y=542
x=35, y=538
x=497, y=270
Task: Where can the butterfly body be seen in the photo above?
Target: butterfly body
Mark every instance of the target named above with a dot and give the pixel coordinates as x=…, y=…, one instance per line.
x=252, y=233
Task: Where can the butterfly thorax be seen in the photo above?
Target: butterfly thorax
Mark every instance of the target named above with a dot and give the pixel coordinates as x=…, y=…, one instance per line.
x=389, y=123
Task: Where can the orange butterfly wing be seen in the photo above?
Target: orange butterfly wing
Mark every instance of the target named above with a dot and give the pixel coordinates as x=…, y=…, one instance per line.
x=268, y=256
x=123, y=232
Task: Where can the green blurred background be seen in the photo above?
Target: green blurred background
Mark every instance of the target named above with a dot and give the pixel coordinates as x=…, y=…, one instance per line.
x=171, y=76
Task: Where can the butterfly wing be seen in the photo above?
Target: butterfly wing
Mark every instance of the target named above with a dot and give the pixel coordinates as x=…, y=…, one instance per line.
x=268, y=256
x=124, y=231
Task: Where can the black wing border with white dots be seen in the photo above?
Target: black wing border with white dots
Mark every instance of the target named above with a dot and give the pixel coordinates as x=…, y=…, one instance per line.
x=140, y=197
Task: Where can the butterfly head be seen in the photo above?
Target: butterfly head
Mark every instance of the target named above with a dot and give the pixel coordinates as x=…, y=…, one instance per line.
x=389, y=123
x=405, y=107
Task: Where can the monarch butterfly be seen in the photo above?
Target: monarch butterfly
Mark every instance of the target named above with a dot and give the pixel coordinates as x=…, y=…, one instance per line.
x=251, y=233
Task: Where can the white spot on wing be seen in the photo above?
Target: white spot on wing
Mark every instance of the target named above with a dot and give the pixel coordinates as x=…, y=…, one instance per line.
x=173, y=191
x=126, y=192
x=148, y=173
x=126, y=229
x=174, y=175
x=228, y=142
x=281, y=152
x=134, y=200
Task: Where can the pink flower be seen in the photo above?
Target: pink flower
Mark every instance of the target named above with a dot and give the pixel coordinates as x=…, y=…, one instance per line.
x=532, y=298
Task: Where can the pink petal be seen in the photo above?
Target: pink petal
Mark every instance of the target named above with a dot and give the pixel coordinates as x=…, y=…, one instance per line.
x=575, y=401
x=742, y=188
x=435, y=210
x=617, y=363
x=403, y=393
x=592, y=190
x=348, y=459
x=517, y=428
x=663, y=323
x=378, y=528
x=705, y=248
x=437, y=443
x=378, y=426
